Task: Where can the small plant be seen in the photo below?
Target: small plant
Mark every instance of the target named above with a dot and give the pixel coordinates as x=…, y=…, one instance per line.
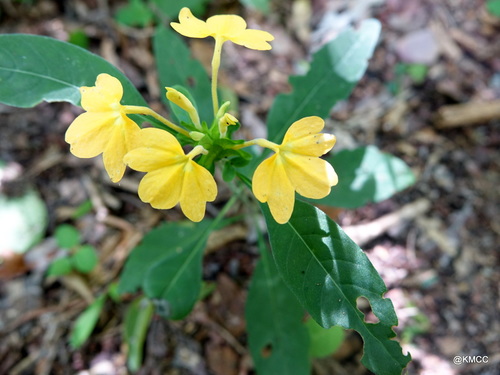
x=80, y=258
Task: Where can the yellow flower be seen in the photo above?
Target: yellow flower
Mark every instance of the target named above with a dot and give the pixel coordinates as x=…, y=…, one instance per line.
x=172, y=176
x=104, y=128
x=225, y=27
x=296, y=166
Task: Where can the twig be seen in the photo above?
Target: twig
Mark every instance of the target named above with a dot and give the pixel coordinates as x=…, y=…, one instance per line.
x=364, y=233
x=452, y=116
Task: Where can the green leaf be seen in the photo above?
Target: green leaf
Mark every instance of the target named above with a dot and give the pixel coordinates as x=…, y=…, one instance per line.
x=85, y=258
x=60, y=267
x=36, y=68
x=277, y=337
x=113, y=292
x=366, y=175
x=335, y=70
x=262, y=5
x=172, y=8
x=86, y=322
x=493, y=6
x=137, y=321
x=135, y=13
x=67, y=236
x=79, y=38
x=324, y=341
x=167, y=265
x=177, y=67
x=23, y=221
x=417, y=72
x=82, y=209
x=327, y=272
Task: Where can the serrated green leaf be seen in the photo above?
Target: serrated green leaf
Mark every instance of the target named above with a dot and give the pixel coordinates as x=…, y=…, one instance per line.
x=85, y=259
x=324, y=341
x=60, y=267
x=177, y=67
x=327, y=272
x=262, y=5
x=167, y=265
x=67, y=236
x=366, y=175
x=172, y=8
x=37, y=68
x=277, y=338
x=86, y=322
x=137, y=320
x=335, y=70
x=135, y=13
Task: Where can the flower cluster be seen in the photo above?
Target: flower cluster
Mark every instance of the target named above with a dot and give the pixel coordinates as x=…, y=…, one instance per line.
x=175, y=177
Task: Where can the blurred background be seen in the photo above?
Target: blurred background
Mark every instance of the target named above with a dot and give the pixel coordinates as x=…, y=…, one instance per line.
x=431, y=96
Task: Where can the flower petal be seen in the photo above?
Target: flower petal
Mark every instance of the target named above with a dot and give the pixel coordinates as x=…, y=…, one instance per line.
x=311, y=145
x=88, y=134
x=154, y=149
x=108, y=90
x=159, y=139
x=199, y=188
x=226, y=26
x=118, y=144
x=190, y=26
x=270, y=184
x=113, y=154
x=162, y=188
x=311, y=177
x=304, y=127
x=254, y=39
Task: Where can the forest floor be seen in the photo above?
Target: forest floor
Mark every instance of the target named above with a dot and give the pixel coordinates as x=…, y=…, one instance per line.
x=436, y=244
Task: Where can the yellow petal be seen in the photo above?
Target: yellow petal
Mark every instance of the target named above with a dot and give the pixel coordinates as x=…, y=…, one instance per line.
x=311, y=177
x=162, y=188
x=113, y=154
x=199, y=187
x=304, y=127
x=271, y=184
x=147, y=159
x=254, y=39
x=311, y=145
x=158, y=139
x=226, y=26
x=154, y=149
x=89, y=133
x=108, y=90
x=190, y=26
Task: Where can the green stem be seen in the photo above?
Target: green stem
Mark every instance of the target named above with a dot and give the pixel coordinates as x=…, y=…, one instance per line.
x=215, y=72
x=139, y=110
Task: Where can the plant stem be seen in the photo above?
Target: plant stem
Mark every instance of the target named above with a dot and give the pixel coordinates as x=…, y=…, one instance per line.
x=215, y=72
x=259, y=141
x=139, y=110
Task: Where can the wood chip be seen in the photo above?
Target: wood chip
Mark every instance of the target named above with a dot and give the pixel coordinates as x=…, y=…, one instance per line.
x=453, y=116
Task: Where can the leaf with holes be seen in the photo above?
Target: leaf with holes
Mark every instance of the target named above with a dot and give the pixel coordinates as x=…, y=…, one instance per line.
x=276, y=336
x=37, y=68
x=327, y=272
